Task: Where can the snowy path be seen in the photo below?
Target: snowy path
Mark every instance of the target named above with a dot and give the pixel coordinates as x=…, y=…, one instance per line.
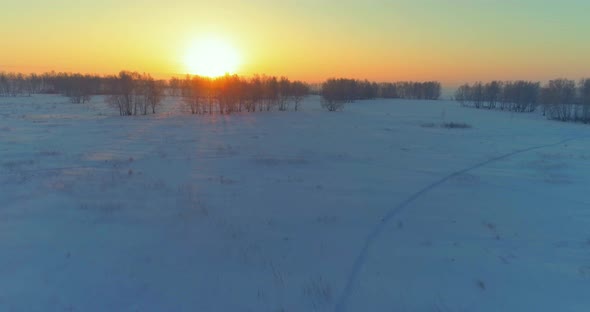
x=378, y=229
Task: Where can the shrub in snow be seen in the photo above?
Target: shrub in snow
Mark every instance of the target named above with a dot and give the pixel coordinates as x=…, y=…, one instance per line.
x=456, y=125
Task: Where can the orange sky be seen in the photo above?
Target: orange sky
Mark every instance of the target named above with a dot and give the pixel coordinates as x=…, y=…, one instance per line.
x=385, y=40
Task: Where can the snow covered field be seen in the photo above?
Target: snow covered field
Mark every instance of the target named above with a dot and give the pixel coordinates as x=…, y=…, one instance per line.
x=376, y=208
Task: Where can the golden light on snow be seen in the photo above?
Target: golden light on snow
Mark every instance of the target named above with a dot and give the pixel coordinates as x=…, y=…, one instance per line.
x=211, y=57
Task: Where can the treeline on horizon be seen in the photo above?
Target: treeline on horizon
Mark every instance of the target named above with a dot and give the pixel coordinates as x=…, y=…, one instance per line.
x=338, y=91
x=559, y=99
x=133, y=93
x=232, y=93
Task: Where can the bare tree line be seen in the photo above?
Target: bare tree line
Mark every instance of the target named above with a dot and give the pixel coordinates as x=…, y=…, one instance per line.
x=338, y=91
x=516, y=96
x=135, y=94
x=563, y=100
x=232, y=93
x=16, y=84
x=77, y=87
x=559, y=99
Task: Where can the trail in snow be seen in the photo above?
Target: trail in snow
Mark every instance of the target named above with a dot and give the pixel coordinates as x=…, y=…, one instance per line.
x=360, y=261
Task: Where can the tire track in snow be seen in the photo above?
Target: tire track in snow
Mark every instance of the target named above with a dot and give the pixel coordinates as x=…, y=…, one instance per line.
x=361, y=258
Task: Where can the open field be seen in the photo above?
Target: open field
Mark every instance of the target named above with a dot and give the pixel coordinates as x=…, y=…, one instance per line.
x=389, y=205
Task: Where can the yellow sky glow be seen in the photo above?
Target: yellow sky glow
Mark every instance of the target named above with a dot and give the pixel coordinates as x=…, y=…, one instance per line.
x=452, y=41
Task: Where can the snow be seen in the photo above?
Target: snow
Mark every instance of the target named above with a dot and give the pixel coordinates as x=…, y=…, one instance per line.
x=270, y=211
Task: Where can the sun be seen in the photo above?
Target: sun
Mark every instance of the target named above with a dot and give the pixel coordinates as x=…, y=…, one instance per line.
x=212, y=57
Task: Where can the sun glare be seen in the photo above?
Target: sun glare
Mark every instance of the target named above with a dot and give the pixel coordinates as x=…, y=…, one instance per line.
x=211, y=57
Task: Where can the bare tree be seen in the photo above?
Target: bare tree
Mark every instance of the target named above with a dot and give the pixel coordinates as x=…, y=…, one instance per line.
x=124, y=93
x=284, y=89
x=519, y=96
x=335, y=93
x=462, y=94
x=79, y=88
x=299, y=90
x=175, y=85
x=558, y=97
x=195, y=94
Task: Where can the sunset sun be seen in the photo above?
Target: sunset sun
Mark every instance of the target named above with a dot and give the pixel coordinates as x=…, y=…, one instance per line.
x=211, y=57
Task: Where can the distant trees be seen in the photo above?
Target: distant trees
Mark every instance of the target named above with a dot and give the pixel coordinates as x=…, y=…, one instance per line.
x=77, y=87
x=338, y=91
x=193, y=94
x=174, y=86
x=153, y=92
x=231, y=93
x=299, y=90
x=283, y=97
x=559, y=99
x=16, y=84
x=123, y=93
x=520, y=96
x=430, y=90
x=470, y=95
x=516, y=96
x=135, y=94
x=226, y=94
x=492, y=93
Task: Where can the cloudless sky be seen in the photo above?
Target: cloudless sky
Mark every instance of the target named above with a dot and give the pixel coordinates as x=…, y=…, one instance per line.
x=448, y=40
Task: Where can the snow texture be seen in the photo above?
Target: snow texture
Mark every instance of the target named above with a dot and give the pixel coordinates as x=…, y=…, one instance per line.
x=375, y=208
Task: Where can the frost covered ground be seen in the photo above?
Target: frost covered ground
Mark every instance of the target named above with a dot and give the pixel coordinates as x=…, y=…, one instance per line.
x=376, y=208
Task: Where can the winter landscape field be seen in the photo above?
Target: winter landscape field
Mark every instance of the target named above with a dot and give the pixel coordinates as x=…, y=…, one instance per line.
x=385, y=206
